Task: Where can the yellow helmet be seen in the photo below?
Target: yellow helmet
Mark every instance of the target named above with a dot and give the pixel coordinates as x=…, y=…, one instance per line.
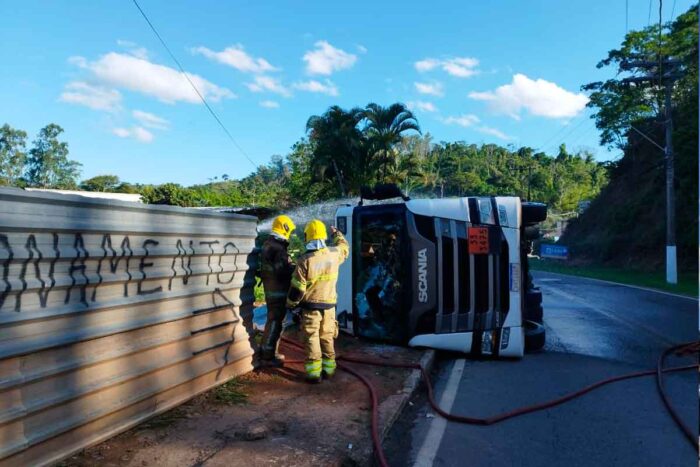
x=283, y=225
x=315, y=230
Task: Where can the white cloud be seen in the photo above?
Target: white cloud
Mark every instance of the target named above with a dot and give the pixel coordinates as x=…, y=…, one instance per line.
x=162, y=82
x=361, y=48
x=269, y=104
x=494, y=132
x=461, y=67
x=92, y=96
x=151, y=121
x=316, y=86
x=538, y=97
x=138, y=133
x=422, y=105
x=325, y=59
x=465, y=120
x=234, y=56
x=134, y=49
x=426, y=65
x=433, y=89
x=267, y=83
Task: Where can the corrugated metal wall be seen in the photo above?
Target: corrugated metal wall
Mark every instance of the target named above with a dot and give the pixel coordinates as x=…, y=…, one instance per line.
x=111, y=312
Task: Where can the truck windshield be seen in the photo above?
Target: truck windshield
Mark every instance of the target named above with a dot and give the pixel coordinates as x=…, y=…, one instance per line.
x=382, y=271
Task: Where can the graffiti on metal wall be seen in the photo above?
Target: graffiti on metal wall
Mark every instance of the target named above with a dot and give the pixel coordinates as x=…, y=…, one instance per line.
x=86, y=272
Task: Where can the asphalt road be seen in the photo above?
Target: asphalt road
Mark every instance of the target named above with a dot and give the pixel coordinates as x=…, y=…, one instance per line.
x=594, y=330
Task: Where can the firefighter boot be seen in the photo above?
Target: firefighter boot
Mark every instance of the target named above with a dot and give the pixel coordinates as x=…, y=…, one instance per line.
x=328, y=368
x=269, y=348
x=313, y=371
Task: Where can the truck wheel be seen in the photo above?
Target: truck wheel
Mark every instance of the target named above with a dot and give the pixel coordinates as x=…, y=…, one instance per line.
x=534, y=336
x=533, y=297
x=535, y=313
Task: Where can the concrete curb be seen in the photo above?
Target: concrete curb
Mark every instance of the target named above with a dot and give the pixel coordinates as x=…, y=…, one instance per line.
x=391, y=408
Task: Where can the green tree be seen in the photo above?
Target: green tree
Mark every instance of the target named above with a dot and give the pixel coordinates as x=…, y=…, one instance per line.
x=619, y=104
x=624, y=224
x=101, y=183
x=48, y=165
x=169, y=193
x=338, y=148
x=12, y=155
x=384, y=127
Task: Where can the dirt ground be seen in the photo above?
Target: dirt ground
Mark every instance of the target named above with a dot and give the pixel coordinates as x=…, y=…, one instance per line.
x=268, y=417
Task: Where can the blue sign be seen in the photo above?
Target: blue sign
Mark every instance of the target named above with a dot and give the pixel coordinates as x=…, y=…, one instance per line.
x=547, y=250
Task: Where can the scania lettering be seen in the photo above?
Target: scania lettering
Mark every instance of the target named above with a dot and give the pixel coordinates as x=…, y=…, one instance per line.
x=422, y=276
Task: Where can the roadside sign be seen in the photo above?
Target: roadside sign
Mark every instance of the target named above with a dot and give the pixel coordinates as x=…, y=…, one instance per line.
x=547, y=250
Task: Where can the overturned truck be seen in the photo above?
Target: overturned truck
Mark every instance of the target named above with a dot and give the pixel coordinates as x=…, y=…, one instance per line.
x=448, y=274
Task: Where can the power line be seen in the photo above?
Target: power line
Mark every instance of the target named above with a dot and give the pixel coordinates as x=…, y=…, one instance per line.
x=557, y=133
x=184, y=73
x=673, y=8
x=627, y=15
x=649, y=17
x=571, y=130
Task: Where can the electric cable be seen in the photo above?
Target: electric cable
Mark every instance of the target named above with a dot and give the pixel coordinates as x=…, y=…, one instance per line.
x=682, y=349
x=571, y=131
x=201, y=97
x=549, y=140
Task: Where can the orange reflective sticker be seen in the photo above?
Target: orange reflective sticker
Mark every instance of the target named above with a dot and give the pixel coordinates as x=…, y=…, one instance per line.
x=478, y=240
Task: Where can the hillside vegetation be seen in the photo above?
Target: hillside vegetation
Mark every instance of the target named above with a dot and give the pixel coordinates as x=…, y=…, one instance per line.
x=626, y=224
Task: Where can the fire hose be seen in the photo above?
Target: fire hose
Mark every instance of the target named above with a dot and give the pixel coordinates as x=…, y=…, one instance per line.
x=691, y=348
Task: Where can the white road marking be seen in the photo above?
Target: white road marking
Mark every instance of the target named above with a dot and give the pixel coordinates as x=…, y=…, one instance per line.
x=634, y=324
x=431, y=443
x=638, y=287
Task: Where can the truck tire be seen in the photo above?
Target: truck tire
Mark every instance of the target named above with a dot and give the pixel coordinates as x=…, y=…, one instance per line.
x=534, y=213
x=531, y=232
x=533, y=297
x=535, y=314
x=534, y=336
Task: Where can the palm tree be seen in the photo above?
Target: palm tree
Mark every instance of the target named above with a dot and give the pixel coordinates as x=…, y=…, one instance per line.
x=384, y=127
x=338, y=146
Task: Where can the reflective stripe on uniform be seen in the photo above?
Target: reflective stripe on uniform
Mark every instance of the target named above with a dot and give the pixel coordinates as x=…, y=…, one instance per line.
x=329, y=366
x=322, y=277
x=276, y=294
x=313, y=368
x=299, y=285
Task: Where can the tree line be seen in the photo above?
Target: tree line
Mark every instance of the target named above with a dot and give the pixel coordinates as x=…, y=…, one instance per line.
x=342, y=150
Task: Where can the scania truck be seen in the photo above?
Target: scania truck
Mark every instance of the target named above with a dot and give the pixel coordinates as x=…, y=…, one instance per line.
x=448, y=274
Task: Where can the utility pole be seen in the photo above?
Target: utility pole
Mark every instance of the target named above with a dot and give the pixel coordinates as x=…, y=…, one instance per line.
x=671, y=256
x=666, y=71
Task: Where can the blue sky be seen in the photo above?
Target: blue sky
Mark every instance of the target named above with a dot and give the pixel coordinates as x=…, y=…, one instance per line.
x=506, y=72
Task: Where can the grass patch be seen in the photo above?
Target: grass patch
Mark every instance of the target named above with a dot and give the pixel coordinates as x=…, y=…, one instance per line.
x=231, y=393
x=687, y=282
x=166, y=419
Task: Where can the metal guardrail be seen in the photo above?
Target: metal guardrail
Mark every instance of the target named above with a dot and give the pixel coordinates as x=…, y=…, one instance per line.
x=112, y=312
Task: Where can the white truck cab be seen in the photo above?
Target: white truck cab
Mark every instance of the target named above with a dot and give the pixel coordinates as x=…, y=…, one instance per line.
x=440, y=273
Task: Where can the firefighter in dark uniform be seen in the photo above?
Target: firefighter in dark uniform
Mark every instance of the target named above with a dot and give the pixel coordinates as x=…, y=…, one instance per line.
x=276, y=273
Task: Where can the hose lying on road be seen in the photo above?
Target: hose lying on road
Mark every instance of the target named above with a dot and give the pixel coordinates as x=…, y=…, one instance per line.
x=683, y=349
x=691, y=348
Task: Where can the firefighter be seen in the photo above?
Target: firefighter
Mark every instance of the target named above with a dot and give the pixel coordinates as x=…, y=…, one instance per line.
x=276, y=273
x=313, y=289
